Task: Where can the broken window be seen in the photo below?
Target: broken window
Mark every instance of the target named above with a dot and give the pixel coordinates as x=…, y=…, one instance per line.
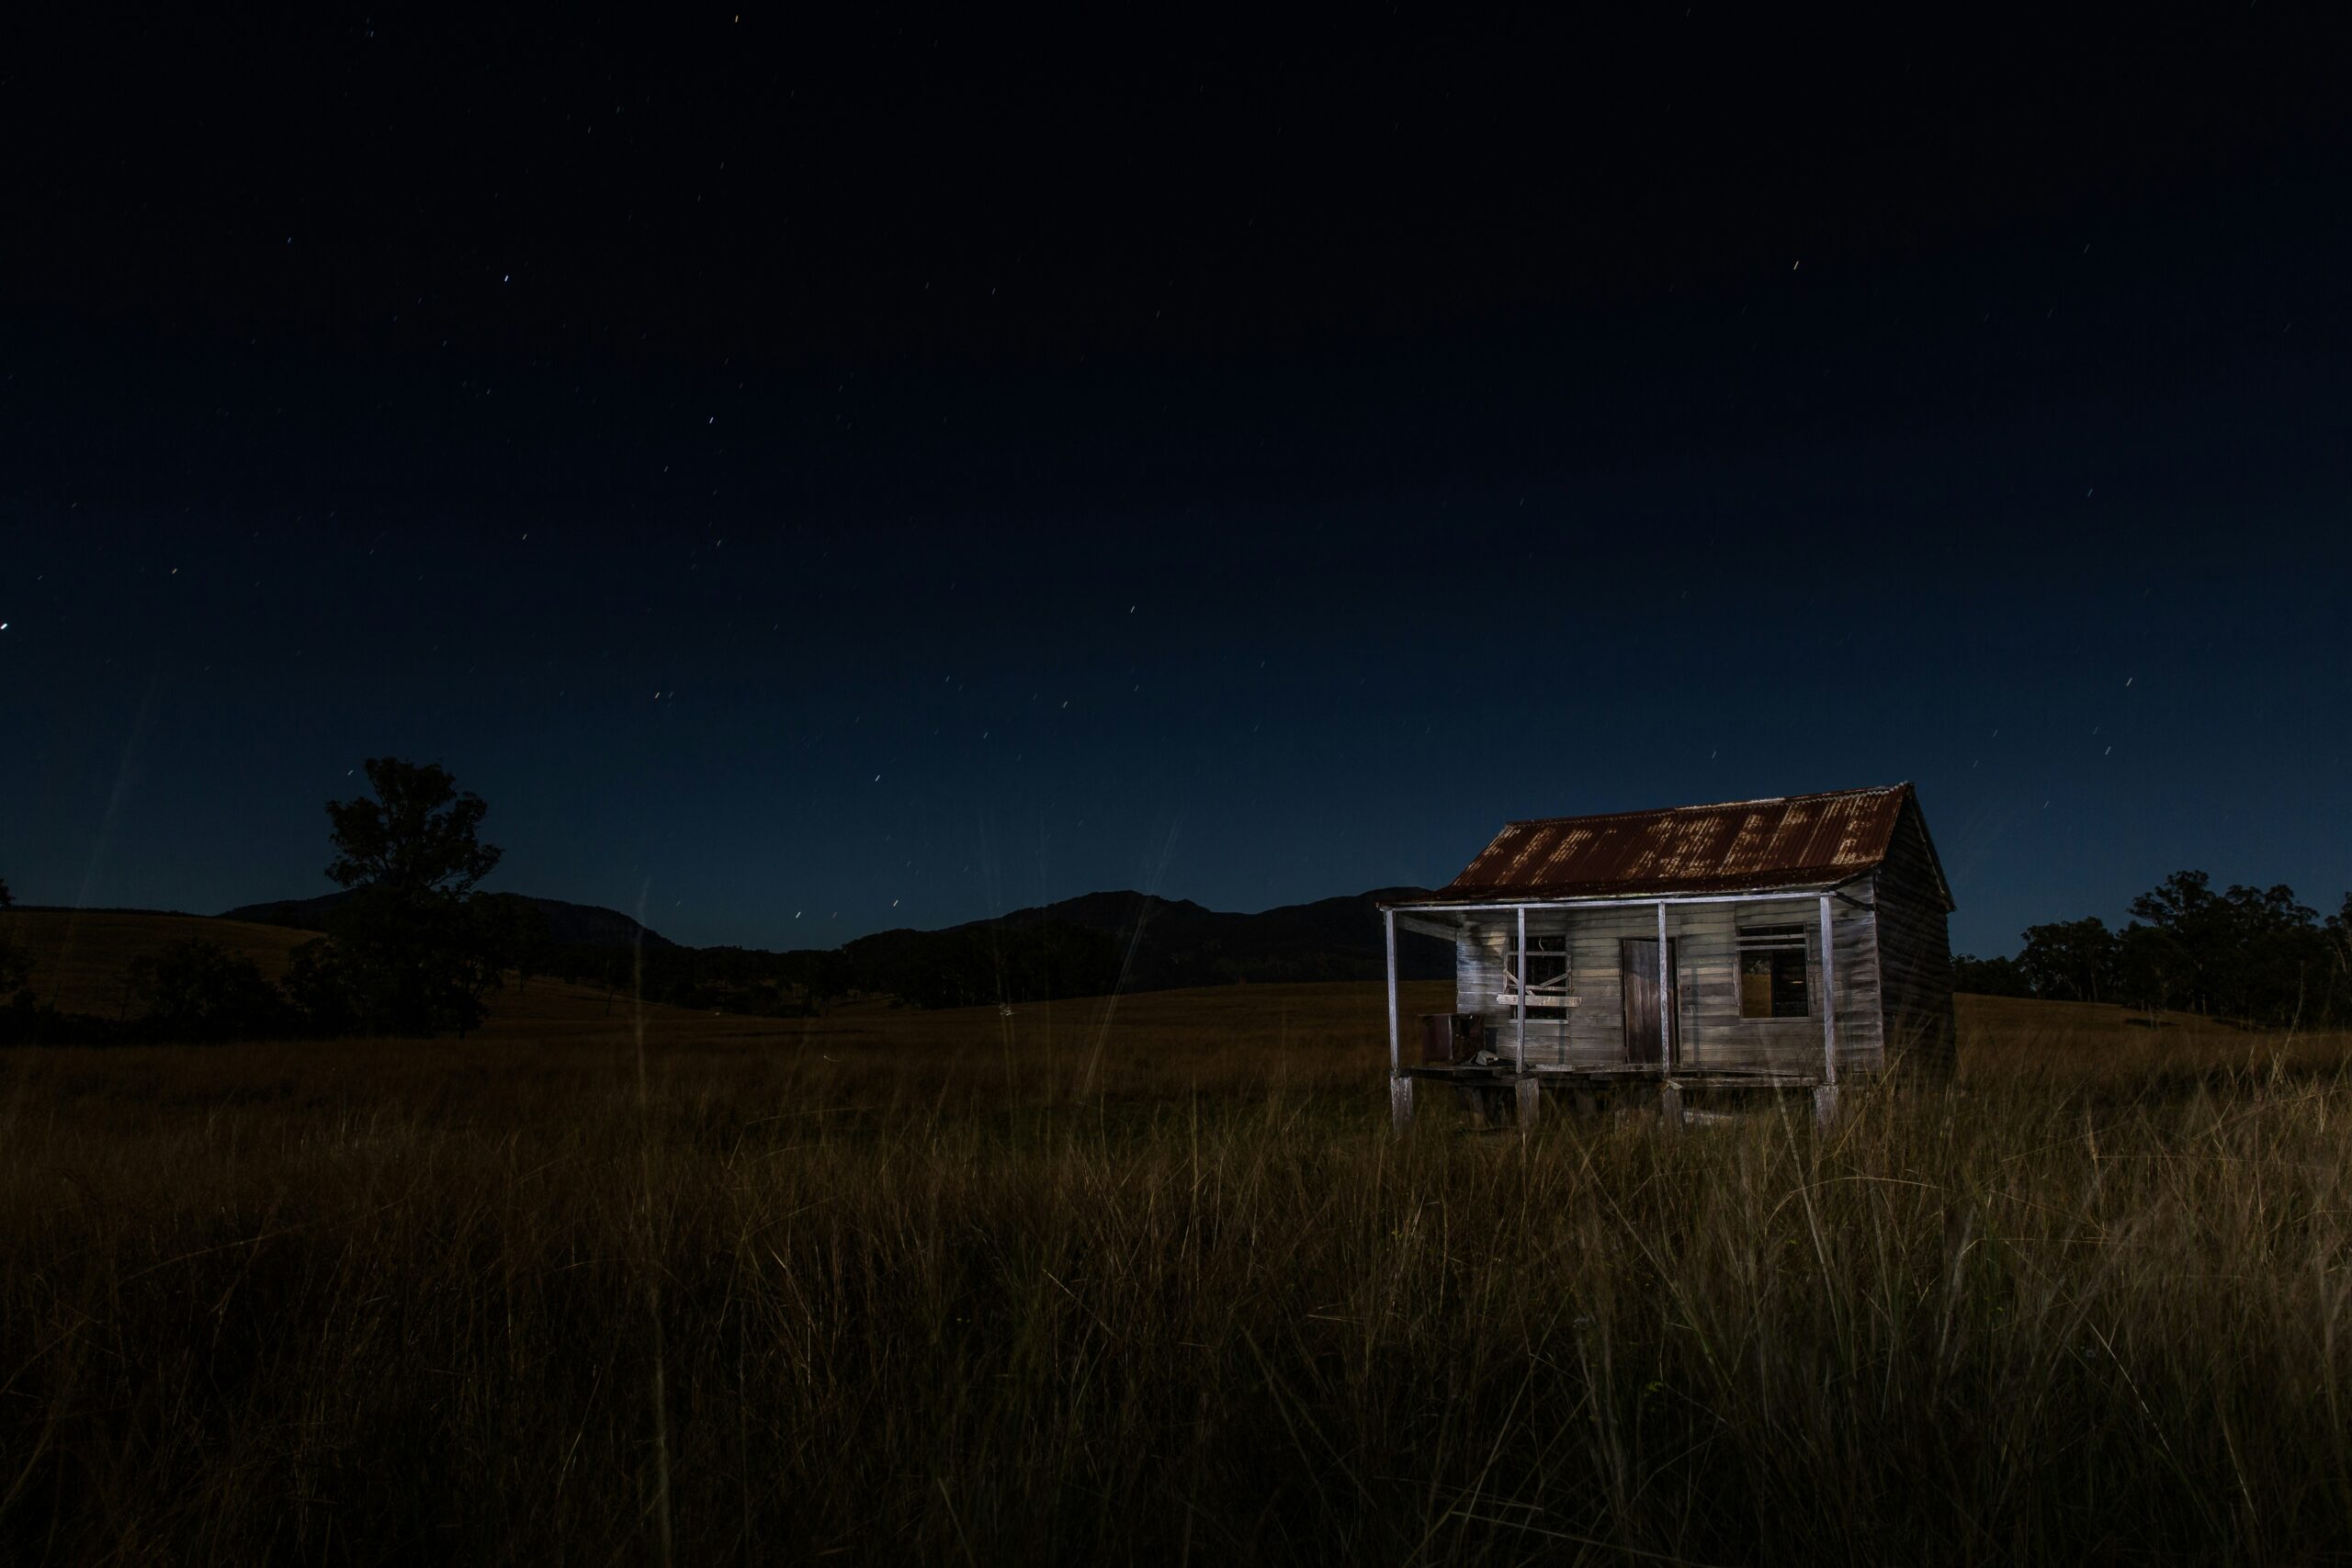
x=1545, y=964
x=1773, y=972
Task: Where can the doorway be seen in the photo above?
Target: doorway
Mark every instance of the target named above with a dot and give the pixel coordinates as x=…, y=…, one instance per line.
x=1646, y=1042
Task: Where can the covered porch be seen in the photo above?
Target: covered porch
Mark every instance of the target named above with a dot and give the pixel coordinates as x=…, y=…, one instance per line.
x=1634, y=1001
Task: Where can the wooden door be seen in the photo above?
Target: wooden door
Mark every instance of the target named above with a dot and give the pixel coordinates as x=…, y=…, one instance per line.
x=1638, y=969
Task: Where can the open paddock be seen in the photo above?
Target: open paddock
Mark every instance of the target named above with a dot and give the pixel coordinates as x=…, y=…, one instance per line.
x=1150, y=1281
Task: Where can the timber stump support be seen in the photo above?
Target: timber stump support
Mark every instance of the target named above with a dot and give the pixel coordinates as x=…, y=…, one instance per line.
x=1669, y=1106
x=1825, y=1105
x=1400, y=1104
x=1531, y=1102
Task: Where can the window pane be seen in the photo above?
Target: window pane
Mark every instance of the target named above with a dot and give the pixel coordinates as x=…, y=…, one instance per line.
x=1773, y=984
x=1789, y=999
x=1547, y=961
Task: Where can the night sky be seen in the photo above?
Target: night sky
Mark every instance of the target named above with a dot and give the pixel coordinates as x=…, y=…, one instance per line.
x=821, y=478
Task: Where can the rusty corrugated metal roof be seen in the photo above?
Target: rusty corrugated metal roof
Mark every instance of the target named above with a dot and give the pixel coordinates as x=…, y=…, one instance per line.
x=1798, y=840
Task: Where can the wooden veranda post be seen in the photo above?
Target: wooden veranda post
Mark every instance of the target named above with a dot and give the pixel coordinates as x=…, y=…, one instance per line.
x=1666, y=1020
x=1825, y=1098
x=1401, y=1088
x=1519, y=1041
x=1669, y=1093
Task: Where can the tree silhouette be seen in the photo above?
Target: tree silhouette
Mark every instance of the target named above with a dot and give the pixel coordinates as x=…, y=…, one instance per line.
x=2239, y=952
x=413, y=959
x=2244, y=952
x=415, y=837
x=2074, y=959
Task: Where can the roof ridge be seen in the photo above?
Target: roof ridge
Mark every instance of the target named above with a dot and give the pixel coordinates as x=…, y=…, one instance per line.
x=1712, y=805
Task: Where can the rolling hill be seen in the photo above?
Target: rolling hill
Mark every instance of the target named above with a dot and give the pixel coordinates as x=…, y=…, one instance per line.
x=1096, y=942
x=81, y=958
x=1123, y=941
x=569, y=925
x=1168, y=944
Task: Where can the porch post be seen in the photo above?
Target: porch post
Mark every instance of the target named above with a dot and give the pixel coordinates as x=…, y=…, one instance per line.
x=1519, y=1042
x=1666, y=1020
x=1389, y=928
x=1825, y=1098
x=1401, y=1088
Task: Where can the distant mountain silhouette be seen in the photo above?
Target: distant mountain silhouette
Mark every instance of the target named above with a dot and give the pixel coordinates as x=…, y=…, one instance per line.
x=1094, y=943
x=572, y=925
x=1178, y=942
x=1155, y=943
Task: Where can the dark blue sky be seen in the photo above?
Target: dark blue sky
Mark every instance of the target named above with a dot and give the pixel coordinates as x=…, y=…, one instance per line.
x=981, y=564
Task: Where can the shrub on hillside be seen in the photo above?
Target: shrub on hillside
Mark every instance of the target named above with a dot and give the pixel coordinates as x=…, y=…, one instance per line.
x=200, y=991
x=318, y=987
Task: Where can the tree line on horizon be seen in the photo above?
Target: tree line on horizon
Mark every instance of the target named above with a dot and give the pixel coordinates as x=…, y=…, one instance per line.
x=2255, y=953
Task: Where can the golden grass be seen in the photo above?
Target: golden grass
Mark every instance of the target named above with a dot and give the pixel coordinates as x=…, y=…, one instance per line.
x=1152, y=1281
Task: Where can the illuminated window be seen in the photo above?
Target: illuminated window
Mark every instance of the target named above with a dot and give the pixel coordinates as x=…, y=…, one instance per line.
x=1772, y=979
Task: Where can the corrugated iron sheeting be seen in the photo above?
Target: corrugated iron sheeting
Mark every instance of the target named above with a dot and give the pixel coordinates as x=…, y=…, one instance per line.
x=1794, y=842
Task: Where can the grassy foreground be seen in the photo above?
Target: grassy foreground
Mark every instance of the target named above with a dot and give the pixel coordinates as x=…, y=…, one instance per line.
x=1066, y=1286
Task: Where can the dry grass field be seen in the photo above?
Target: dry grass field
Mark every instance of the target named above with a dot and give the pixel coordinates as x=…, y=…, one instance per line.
x=1150, y=1281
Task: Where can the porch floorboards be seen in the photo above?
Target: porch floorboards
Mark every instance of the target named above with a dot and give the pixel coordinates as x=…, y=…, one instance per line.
x=1617, y=1073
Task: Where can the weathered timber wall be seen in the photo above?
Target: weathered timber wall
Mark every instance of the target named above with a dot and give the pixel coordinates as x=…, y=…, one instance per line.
x=1914, y=954
x=1713, y=1034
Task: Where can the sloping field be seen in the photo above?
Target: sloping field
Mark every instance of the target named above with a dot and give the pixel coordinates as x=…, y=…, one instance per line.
x=82, y=958
x=2070, y=1047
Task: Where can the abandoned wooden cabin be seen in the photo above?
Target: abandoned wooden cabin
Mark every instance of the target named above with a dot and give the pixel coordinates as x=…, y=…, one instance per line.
x=1797, y=942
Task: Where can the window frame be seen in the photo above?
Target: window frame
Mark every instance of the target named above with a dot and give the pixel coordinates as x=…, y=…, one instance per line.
x=1775, y=942
x=1550, y=992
